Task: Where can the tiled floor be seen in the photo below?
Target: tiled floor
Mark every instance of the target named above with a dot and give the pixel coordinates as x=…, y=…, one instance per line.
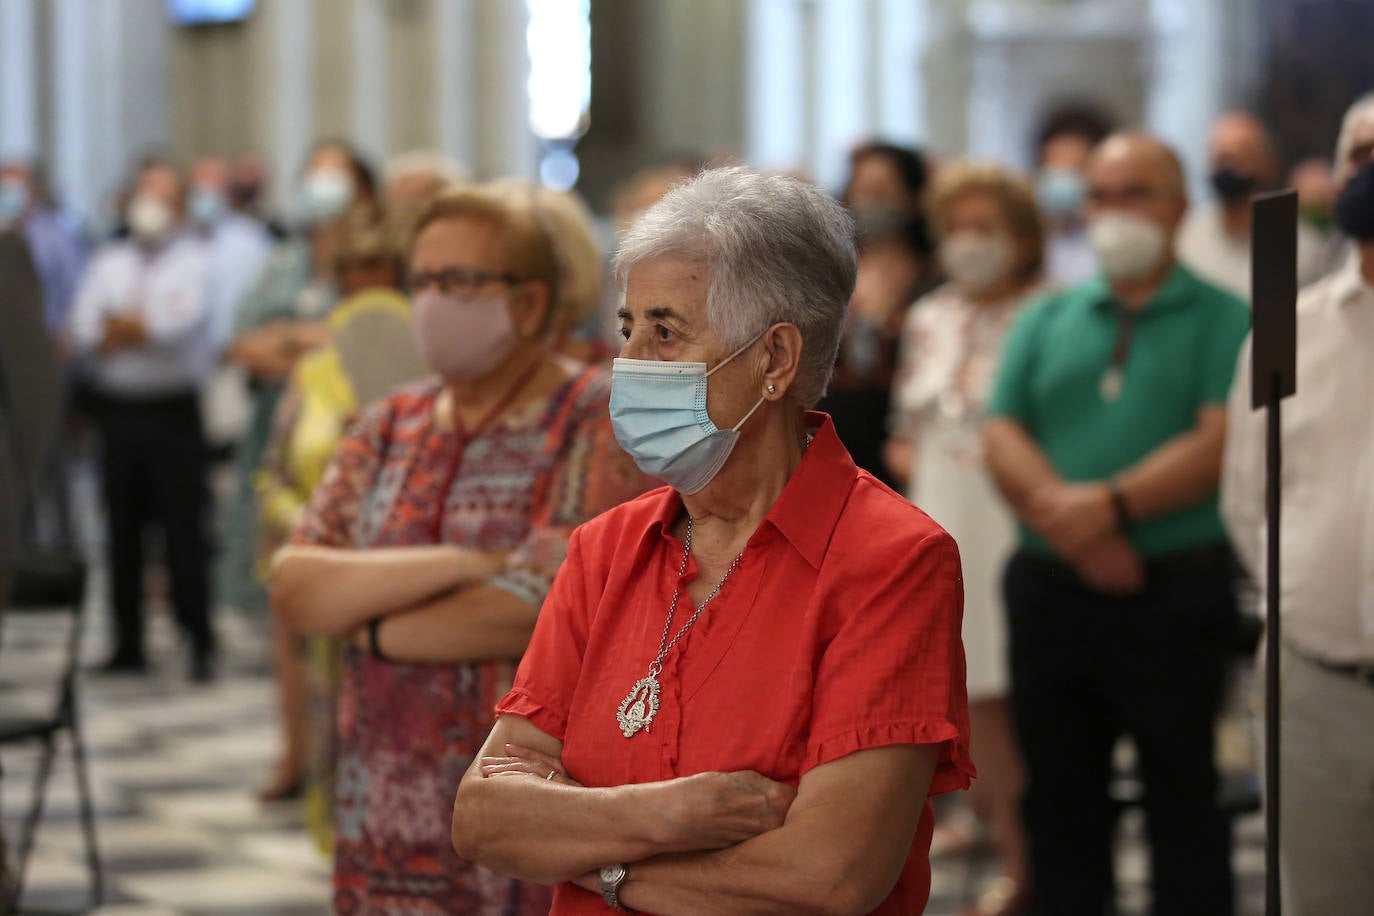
x=174, y=768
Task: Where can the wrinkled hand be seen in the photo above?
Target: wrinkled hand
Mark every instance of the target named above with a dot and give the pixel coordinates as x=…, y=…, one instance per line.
x=1112, y=567
x=260, y=353
x=1073, y=516
x=716, y=810
x=524, y=761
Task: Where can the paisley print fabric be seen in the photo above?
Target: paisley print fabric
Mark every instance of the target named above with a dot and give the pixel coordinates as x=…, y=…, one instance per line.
x=407, y=733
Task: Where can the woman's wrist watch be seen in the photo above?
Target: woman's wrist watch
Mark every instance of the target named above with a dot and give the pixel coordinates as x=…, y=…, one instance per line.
x=611, y=879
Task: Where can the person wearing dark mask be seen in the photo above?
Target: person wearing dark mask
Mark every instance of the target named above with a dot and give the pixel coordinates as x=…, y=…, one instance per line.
x=885, y=176
x=1105, y=435
x=282, y=317
x=433, y=539
x=1327, y=600
x=1065, y=143
x=246, y=192
x=1215, y=239
x=141, y=319
x=895, y=270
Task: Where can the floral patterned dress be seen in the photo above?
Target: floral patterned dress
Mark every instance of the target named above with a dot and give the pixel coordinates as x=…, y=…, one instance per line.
x=407, y=733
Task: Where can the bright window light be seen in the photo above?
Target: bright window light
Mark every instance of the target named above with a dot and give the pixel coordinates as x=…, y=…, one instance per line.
x=559, y=37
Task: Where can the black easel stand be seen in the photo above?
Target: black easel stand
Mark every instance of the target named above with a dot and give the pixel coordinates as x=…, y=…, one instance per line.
x=1274, y=256
x=1273, y=470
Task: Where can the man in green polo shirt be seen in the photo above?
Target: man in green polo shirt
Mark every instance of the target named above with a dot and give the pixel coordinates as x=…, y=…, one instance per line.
x=1105, y=436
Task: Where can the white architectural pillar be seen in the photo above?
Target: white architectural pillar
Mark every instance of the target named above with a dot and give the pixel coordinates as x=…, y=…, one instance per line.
x=1186, y=93
x=506, y=145
x=845, y=115
x=457, y=74
x=775, y=116
x=370, y=78
x=293, y=64
x=18, y=80
x=896, y=53
x=73, y=132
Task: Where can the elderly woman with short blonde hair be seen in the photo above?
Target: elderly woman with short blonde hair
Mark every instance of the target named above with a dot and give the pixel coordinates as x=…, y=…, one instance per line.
x=432, y=541
x=744, y=687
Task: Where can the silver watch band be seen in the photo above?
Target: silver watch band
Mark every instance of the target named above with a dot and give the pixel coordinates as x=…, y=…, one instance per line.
x=610, y=880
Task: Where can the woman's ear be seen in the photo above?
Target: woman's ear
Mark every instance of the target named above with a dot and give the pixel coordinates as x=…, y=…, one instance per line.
x=532, y=307
x=783, y=344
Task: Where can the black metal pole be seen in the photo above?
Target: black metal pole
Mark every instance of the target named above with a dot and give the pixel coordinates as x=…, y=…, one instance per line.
x=1273, y=469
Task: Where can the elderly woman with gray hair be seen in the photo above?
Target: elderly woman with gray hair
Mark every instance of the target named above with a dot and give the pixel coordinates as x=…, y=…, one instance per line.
x=744, y=687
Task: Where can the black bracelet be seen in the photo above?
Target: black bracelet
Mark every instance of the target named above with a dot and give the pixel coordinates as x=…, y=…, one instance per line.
x=373, y=645
x=1121, y=510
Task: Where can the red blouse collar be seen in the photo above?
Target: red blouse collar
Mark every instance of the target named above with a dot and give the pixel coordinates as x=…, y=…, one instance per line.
x=810, y=505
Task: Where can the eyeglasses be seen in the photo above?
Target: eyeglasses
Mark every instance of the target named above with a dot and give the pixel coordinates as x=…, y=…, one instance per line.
x=461, y=282
x=1131, y=195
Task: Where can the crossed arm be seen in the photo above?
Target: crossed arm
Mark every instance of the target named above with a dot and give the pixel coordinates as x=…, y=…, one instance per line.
x=714, y=842
x=433, y=600
x=1078, y=518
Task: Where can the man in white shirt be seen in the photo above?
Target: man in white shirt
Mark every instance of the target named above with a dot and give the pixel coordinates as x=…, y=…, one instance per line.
x=1327, y=589
x=141, y=320
x=1215, y=239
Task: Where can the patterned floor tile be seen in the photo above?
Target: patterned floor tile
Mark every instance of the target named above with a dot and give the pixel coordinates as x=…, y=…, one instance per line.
x=174, y=771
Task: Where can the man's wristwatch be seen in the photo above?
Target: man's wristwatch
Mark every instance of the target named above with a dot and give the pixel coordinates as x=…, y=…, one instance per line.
x=1121, y=512
x=611, y=878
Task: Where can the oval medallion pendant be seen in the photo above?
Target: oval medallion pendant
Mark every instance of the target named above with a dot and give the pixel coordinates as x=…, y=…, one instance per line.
x=639, y=707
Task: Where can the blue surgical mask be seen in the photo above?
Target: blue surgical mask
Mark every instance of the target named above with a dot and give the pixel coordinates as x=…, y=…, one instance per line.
x=205, y=206
x=14, y=200
x=658, y=412
x=1061, y=192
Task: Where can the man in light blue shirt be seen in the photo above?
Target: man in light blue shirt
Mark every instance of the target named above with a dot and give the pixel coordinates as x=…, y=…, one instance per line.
x=57, y=253
x=142, y=320
x=239, y=245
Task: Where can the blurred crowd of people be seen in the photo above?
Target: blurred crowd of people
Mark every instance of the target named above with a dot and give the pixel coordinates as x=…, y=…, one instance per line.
x=1042, y=363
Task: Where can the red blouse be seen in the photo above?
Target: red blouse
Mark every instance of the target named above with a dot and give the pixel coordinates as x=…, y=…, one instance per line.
x=839, y=631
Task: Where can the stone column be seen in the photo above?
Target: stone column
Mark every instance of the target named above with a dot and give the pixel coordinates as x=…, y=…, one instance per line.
x=18, y=79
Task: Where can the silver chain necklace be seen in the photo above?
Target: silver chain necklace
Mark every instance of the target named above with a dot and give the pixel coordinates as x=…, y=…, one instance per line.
x=640, y=707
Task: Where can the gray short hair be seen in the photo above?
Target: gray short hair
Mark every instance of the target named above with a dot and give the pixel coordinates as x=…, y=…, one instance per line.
x=779, y=250
x=1357, y=114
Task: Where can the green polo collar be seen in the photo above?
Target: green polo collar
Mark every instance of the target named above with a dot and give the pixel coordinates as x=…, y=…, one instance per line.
x=1179, y=290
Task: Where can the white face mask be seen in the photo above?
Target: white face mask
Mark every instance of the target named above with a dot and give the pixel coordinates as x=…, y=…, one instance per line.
x=976, y=261
x=1129, y=247
x=326, y=193
x=150, y=219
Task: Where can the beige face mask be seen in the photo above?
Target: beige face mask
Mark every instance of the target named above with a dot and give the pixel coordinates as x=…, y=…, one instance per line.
x=977, y=261
x=150, y=220
x=1128, y=246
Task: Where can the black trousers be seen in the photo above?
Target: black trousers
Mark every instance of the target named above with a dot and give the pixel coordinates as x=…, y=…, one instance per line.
x=1087, y=668
x=155, y=466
